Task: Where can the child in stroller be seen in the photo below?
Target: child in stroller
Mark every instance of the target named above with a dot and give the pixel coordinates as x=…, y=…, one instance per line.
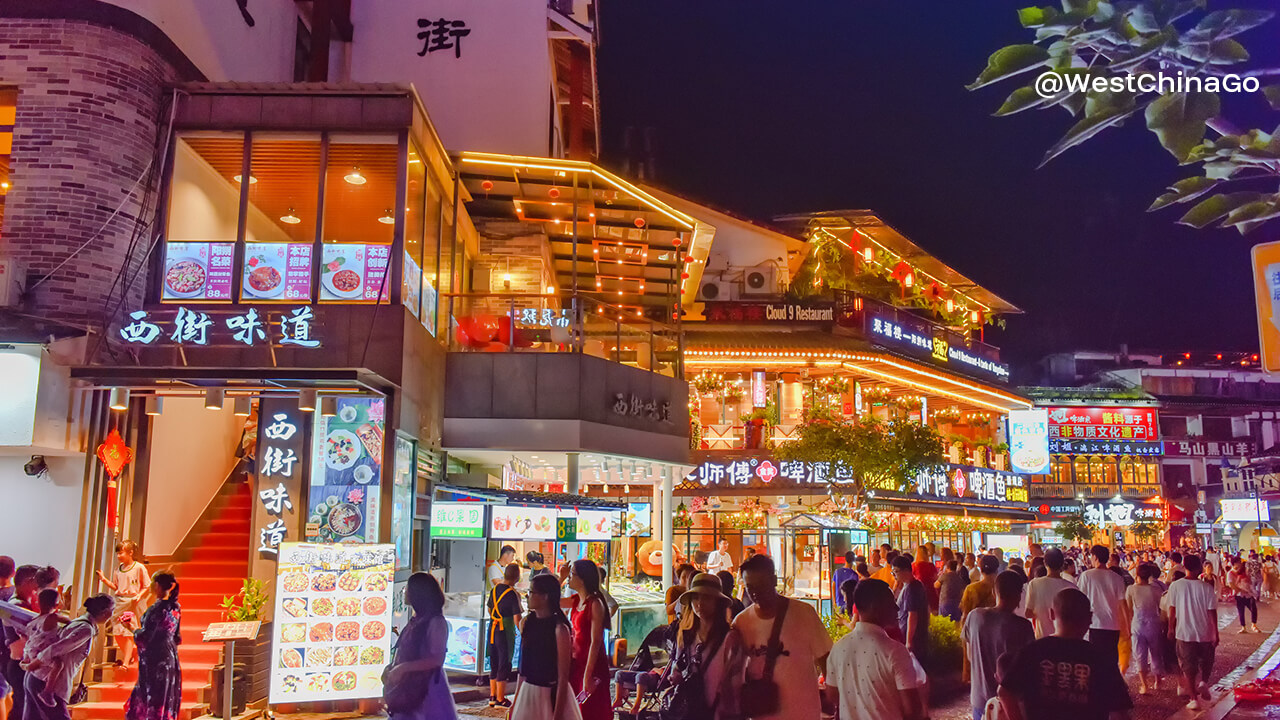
x=644, y=675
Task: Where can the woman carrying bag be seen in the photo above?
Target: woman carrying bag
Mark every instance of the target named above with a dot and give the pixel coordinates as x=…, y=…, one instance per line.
x=705, y=675
x=51, y=679
x=414, y=685
x=589, y=674
x=546, y=657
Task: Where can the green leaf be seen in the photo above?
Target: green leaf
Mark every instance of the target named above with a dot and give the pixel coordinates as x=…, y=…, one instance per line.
x=1215, y=208
x=1272, y=94
x=1009, y=61
x=1220, y=169
x=1253, y=214
x=1024, y=98
x=1184, y=190
x=1143, y=19
x=1178, y=120
x=1227, y=52
x=1035, y=16
x=1148, y=48
x=1226, y=23
x=1085, y=129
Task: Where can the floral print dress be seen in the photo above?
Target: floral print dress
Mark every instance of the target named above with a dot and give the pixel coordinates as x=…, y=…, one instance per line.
x=158, y=694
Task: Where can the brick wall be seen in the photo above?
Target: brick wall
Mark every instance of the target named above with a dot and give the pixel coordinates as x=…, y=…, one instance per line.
x=89, y=103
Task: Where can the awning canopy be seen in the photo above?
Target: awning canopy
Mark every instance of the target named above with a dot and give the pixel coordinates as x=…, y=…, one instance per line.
x=908, y=504
x=821, y=521
x=631, y=248
x=826, y=352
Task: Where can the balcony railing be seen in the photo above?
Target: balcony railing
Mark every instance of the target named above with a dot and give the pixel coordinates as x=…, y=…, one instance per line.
x=524, y=322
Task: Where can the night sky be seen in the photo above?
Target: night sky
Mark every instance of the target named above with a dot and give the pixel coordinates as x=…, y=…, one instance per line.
x=770, y=108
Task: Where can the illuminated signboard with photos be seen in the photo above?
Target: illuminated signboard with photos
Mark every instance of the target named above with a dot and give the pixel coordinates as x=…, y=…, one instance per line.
x=1029, y=441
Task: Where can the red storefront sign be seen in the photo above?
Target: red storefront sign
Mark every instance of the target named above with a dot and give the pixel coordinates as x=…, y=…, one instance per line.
x=1103, y=423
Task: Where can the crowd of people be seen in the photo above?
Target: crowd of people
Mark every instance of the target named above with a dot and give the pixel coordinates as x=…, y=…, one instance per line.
x=1045, y=635
x=44, y=656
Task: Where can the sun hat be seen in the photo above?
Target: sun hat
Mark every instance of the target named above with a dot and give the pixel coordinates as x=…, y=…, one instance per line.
x=704, y=584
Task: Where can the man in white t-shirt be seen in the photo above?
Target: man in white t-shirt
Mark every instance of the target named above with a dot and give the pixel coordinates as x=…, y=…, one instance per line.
x=869, y=674
x=802, y=650
x=1042, y=591
x=1105, y=591
x=1193, y=625
x=719, y=559
x=496, y=570
x=1214, y=560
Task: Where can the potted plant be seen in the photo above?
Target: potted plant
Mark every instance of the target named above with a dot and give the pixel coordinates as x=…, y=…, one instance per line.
x=248, y=605
x=999, y=453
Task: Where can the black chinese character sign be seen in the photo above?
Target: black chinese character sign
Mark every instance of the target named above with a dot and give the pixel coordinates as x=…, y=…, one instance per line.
x=442, y=34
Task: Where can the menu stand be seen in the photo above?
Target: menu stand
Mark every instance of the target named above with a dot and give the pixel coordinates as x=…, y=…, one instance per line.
x=229, y=633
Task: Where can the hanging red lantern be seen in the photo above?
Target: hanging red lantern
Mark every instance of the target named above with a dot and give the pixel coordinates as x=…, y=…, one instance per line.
x=554, y=192
x=639, y=222
x=684, y=276
x=486, y=185
x=901, y=271
x=688, y=258
x=676, y=242
x=934, y=292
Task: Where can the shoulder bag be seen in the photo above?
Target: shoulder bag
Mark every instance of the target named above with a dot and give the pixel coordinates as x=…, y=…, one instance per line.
x=409, y=691
x=687, y=700
x=762, y=695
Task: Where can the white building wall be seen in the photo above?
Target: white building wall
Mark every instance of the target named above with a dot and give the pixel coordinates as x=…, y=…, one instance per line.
x=46, y=525
x=493, y=95
x=215, y=36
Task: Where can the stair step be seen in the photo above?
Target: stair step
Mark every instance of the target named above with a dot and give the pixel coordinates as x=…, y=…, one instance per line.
x=214, y=569
x=230, y=524
x=114, y=711
x=225, y=538
x=206, y=553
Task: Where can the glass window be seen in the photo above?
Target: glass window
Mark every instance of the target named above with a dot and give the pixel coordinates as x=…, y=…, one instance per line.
x=203, y=216
x=359, y=217
x=414, y=241
x=8, y=117
x=280, y=227
x=431, y=224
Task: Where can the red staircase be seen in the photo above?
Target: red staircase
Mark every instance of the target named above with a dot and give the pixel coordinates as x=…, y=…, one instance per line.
x=211, y=564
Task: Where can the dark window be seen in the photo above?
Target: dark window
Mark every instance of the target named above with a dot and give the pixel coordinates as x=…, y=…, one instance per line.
x=1177, y=480
x=302, y=53
x=1217, y=428
x=1173, y=426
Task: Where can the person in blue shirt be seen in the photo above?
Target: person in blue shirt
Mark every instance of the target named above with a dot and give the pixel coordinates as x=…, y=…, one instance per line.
x=842, y=573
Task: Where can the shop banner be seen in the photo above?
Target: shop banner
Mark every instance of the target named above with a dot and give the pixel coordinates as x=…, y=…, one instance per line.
x=636, y=521
x=276, y=271
x=351, y=271
x=463, y=649
x=1209, y=448
x=332, y=630
x=402, y=498
x=1029, y=441
x=933, y=343
x=764, y=312
x=588, y=525
x=197, y=271
x=281, y=450
x=1122, y=514
x=457, y=520
x=346, y=472
x=1103, y=423
x=1245, y=510
x=1266, y=291
x=1103, y=447
x=522, y=523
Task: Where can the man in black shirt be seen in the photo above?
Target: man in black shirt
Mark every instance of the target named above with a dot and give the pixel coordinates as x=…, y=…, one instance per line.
x=1063, y=677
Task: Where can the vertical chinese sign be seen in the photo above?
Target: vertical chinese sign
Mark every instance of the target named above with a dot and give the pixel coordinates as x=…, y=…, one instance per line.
x=281, y=455
x=1266, y=282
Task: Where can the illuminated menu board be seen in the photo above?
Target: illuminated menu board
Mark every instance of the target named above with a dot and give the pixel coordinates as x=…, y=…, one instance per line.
x=276, y=271
x=332, y=629
x=197, y=271
x=350, y=271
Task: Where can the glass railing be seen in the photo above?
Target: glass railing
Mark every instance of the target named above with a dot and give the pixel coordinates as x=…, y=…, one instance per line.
x=524, y=322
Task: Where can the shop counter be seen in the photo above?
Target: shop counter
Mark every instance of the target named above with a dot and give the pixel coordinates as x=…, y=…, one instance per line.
x=641, y=608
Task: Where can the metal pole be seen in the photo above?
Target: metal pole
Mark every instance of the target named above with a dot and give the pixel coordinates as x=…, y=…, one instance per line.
x=668, y=530
x=228, y=673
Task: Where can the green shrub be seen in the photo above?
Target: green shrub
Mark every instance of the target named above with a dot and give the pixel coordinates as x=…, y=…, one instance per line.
x=835, y=628
x=945, y=651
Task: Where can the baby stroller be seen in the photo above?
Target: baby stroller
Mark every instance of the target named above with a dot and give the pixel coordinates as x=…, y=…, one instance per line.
x=644, y=676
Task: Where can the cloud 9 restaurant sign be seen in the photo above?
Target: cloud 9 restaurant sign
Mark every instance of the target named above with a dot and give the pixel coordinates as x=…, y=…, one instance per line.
x=783, y=477
x=912, y=336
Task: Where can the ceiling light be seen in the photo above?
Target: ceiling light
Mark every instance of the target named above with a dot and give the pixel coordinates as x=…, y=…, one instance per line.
x=290, y=218
x=242, y=406
x=213, y=398
x=551, y=289
x=329, y=406
x=252, y=180
x=307, y=400
x=354, y=177
x=155, y=405
x=119, y=398
x=4, y=185
x=387, y=218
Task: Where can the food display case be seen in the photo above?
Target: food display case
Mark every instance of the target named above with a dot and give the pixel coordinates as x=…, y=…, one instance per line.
x=641, y=608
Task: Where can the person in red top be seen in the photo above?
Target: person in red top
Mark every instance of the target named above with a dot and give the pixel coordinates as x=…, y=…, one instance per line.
x=589, y=669
x=927, y=573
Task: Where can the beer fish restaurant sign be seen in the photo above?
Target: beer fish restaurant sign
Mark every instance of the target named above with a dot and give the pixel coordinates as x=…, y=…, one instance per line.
x=762, y=475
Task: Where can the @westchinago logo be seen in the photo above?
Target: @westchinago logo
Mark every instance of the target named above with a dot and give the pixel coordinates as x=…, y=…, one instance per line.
x=1053, y=83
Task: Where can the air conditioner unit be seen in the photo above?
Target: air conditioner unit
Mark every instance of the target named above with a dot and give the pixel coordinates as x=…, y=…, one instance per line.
x=13, y=277
x=760, y=280
x=716, y=289
x=717, y=262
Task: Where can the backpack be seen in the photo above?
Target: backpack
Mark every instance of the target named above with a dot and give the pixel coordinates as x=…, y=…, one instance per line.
x=687, y=700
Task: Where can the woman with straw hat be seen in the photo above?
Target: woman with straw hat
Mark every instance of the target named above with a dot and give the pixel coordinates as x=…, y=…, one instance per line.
x=709, y=657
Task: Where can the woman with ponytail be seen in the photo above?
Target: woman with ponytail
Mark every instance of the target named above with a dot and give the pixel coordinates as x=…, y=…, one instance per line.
x=546, y=657
x=158, y=694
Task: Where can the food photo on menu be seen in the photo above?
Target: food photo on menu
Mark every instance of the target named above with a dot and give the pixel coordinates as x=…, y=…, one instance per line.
x=350, y=271
x=197, y=271
x=347, y=471
x=333, y=611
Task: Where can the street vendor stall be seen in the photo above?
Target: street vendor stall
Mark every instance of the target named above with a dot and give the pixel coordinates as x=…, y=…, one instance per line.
x=469, y=528
x=808, y=554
